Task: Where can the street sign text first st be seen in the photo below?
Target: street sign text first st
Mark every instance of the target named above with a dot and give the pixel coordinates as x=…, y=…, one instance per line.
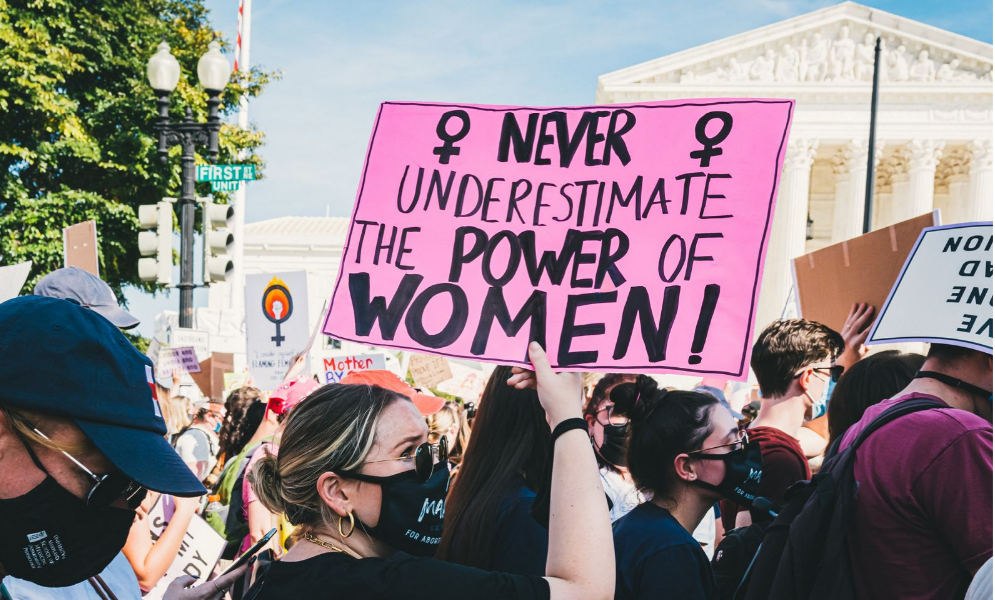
x=226, y=172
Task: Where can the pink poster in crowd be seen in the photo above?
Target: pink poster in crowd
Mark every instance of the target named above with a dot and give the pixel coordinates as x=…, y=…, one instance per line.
x=621, y=237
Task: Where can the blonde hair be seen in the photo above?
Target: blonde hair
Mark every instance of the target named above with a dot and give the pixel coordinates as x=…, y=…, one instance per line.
x=440, y=422
x=24, y=422
x=174, y=411
x=333, y=429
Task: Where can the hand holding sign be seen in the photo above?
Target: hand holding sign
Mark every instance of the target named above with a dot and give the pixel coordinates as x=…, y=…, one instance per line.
x=855, y=332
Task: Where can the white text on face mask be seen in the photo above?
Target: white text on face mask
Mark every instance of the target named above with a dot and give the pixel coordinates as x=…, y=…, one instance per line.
x=432, y=507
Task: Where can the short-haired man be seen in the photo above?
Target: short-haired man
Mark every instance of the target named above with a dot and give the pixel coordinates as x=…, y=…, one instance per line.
x=923, y=520
x=81, y=440
x=792, y=360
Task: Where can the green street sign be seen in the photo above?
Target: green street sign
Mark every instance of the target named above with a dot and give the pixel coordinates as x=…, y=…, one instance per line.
x=233, y=173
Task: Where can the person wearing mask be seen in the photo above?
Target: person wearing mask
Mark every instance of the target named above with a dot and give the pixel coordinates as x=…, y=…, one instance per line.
x=609, y=428
x=198, y=444
x=76, y=461
x=875, y=378
x=793, y=360
x=355, y=472
x=686, y=451
x=450, y=423
x=922, y=525
x=489, y=523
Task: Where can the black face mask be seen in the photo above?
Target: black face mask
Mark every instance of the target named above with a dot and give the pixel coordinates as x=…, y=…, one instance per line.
x=743, y=470
x=411, y=512
x=52, y=538
x=613, y=444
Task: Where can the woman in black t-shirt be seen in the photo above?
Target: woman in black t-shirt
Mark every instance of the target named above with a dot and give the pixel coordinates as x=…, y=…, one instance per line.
x=686, y=451
x=356, y=474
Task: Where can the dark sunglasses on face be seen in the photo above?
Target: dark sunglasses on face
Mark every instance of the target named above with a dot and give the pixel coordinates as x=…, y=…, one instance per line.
x=426, y=456
x=107, y=489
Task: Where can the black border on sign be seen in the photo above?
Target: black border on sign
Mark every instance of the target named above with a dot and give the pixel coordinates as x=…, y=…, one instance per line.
x=887, y=303
x=760, y=254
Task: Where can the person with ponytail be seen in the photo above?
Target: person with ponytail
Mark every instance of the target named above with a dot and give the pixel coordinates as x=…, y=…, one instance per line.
x=685, y=452
x=608, y=426
x=356, y=474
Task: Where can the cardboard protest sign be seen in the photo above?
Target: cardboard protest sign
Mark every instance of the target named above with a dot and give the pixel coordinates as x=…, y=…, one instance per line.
x=831, y=280
x=944, y=292
x=211, y=378
x=183, y=360
x=276, y=324
x=12, y=278
x=623, y=237
x=337, y=367
x=198, y=554
x=429, y=371
x=199, y=339
x=79, y=247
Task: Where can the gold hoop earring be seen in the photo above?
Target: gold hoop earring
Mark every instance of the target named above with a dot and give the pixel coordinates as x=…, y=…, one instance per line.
x=352, y=526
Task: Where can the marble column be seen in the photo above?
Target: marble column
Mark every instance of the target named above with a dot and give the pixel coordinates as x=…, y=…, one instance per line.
x=980, y=172
x=787, y=235
x=848, y=214
x=922, y=156
x=957, y=208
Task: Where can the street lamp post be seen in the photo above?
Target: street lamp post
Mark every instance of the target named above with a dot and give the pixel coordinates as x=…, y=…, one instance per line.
x=213, y=70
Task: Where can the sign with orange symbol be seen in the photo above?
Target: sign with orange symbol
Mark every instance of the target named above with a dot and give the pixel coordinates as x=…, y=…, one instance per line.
x=276, y=324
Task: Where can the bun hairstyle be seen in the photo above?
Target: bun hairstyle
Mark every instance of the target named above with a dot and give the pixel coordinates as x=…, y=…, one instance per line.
x=662, y=424
x=332, y=429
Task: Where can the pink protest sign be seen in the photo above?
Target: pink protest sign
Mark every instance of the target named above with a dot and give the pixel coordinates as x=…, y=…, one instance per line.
x=621, y=237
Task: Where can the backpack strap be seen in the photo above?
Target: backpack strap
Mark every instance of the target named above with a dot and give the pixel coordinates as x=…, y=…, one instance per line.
x=898, y=410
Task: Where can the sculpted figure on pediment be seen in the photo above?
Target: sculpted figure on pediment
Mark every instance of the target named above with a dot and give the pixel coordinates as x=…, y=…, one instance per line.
x=898, y=65
x=736, y=71
x=922, y=69
x=816, y=59
x=841, y=56
x=762, y=68
x=786, y=68
x=865, y=58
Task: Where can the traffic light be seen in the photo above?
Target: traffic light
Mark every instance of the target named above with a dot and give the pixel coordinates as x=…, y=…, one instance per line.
x=158, y=243
x=218, y=241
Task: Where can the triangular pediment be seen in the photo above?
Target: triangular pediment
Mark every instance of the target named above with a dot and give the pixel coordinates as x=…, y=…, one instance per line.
x=829, y=47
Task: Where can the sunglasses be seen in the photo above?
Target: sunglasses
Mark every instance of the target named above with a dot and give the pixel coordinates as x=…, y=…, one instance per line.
x=744, y=439
x=107, y=489
x=425, y=458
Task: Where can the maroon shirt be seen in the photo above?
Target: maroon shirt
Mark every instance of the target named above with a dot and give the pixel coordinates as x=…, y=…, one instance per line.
x=784, y=464
x=923, y=519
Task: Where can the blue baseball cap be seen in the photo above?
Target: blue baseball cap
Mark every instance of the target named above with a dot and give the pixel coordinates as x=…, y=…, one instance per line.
x=64, y=360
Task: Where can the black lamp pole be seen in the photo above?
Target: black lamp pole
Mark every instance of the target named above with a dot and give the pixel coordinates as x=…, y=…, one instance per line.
x=188, y=135
x=869, y=184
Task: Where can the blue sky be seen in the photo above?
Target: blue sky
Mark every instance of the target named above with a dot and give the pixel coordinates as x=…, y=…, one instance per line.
x=341, y=59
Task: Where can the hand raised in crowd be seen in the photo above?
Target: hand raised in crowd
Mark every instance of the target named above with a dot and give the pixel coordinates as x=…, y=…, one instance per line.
x=855, y=331
x=559, y=393
x=296, y=366
x=215, y=589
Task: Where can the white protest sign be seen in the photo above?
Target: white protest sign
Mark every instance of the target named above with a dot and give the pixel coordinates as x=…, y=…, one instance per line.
x=198, y=339
x=944, y=292
x=276, y=324
x=12, y=279
x=198, y=554
x=337, y=367
x=183, y=360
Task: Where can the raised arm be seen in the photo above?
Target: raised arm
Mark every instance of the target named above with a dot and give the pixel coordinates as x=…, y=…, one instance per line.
x=580, y=564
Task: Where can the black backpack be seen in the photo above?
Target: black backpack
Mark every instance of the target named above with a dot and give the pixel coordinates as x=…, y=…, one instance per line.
x=804, y=553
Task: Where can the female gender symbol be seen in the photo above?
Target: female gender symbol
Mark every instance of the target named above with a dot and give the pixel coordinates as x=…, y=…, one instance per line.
x=278, y=305
x=709, y=143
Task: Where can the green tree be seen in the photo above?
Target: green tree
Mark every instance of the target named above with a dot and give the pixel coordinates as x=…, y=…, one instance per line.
x=76, y=123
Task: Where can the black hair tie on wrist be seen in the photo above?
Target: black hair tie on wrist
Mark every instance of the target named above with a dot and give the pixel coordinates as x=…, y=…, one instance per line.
x=566, y=425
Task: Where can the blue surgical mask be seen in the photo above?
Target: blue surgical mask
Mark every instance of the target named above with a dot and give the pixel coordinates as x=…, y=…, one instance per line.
x=820, y=406
x=217, y=427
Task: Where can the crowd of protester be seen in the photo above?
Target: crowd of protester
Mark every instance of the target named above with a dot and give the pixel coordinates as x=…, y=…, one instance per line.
x=536, y=490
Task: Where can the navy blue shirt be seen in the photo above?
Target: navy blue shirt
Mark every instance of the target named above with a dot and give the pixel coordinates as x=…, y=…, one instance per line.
x=521, y=543
x=657, y=558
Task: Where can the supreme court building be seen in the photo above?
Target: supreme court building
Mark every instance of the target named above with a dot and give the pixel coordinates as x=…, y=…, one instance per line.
x=934, y=128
